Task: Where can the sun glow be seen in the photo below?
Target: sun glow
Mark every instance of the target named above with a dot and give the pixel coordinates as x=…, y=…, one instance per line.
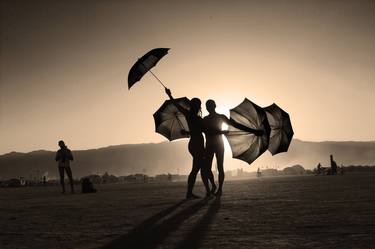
x=227, y=148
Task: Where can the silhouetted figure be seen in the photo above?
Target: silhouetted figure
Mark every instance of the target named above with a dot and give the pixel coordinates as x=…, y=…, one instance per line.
x=214, y=142
x=319, y=169
x=63, y=157
x=259, y=173
x=87, y=186
x=333, y=166
x=196, y=142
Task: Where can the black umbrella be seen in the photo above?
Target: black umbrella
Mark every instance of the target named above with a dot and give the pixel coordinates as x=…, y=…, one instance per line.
x=245, y=145
x=170, y=122
x=144, y=64
x=281, y=129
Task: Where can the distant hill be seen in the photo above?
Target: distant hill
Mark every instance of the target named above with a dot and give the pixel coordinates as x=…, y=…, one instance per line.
x=173, y=157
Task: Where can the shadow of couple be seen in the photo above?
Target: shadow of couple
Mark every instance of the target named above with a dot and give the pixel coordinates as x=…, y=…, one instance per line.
x=153, y=231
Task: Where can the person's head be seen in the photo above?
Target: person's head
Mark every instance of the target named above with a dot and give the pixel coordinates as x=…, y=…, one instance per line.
x=195, y=105
x=331, y=157
x=210, y=106
x=62, y=144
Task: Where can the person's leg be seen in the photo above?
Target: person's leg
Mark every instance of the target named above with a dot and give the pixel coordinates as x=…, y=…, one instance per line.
x=212, y=180
x=70, y=176
x=61, y=173
x=192, y=176
x=220, y=167
x=204, y=175
x=210, y=175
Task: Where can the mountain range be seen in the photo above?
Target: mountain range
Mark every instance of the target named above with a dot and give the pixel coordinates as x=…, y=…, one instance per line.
x=173, y=157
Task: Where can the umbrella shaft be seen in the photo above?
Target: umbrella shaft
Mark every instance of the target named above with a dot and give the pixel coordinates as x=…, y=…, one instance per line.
x=157, y=78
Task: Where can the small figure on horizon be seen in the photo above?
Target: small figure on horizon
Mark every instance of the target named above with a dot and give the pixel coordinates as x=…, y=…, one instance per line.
x=259, y=173
x=319, y=169
x=333, y=166
x=87, y=186
x=63, y=157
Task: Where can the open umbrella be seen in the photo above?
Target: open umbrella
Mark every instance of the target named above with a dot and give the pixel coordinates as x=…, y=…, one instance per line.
x=170, y=122
x=144, y=64
x=245, y=145
x=281, y=129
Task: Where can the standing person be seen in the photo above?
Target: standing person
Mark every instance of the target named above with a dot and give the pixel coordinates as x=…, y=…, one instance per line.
x=63, y=157
x=333, y=166
x=319, y=169
x=214, y=142
x=196, y=142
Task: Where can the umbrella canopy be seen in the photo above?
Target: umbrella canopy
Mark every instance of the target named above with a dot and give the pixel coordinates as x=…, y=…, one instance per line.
x=170, y=122
x=281, y=129
x=144, y=64
x=245, y=145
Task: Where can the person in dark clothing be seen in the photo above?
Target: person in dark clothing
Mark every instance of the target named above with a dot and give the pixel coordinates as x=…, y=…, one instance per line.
x=196, y=142
x=214, y=142
x=319, y=169
x=63, y=157
x=87, y=186
x=333, y=166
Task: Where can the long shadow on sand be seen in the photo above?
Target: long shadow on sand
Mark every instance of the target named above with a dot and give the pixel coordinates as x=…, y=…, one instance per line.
x=149, y=234
x=198, y=232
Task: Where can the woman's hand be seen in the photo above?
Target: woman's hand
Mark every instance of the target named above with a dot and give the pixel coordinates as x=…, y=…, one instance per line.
x=168, y=92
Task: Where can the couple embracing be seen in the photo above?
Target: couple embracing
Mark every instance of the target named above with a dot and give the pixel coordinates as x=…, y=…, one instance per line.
x=203, y=152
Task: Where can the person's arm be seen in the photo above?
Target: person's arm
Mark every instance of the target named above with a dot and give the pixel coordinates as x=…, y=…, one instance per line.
x=71, y=155
x=241, y=127
x=57, y=157
x=179, y=107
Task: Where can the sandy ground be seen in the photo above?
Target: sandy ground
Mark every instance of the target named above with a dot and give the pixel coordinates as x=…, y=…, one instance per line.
x=278, y=212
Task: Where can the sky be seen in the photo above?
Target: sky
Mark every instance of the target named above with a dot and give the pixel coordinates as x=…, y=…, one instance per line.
x=64, y=66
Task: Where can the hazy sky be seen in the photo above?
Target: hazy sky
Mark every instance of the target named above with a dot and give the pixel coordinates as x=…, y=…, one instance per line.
x=64, y=66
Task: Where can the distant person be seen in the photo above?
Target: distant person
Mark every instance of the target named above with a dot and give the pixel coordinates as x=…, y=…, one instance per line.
x=214, y=142
x=319, y=169
x=63, y=157
x=196, y=142
x=333, y=166
x=259, y=173
x=87, y=186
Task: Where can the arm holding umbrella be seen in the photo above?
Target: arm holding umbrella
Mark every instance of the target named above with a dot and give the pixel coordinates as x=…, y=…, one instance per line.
x=241, y=127
x=179, y=107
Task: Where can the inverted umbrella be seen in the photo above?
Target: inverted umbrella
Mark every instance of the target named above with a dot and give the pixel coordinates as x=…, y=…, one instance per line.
x=245, y=145
x=171, y=122
x=281, y=129
x=144, y=64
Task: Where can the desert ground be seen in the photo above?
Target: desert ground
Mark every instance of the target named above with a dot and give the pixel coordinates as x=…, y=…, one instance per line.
x=266, y=212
